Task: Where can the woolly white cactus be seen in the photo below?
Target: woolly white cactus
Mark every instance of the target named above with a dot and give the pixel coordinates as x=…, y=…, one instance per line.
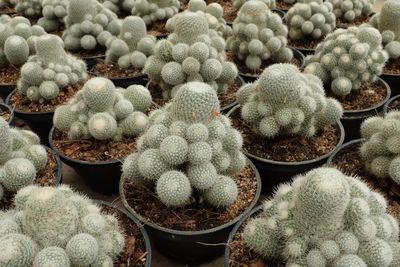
x=58, y=227
x=349, y=10
x=50, y=71
x=29, y=8
x=103, y=112
x=325, y=218
x=271, y=4
x=53, y=12
x=154, y=10
x=119, y=6
x=189, y=146
x=259, y=35
x=348, y=58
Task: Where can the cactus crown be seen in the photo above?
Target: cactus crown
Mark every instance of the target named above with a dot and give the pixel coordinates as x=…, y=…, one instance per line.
x=348, y=58
x=325, y=218
x=259, y=35
x=103, y=112
x=29, y=8
x=53, y=12
x=50, y=71
x=132, y=47
x=79, y=236
x=285, y=101
x=350, y=10
x=189, y=146
x=154, y=10
x=271, y=4
x=21, y=157
x=193, y=52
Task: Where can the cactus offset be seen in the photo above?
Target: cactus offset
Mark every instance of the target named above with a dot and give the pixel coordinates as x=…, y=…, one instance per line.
x=154, y=10
x=29, y=8
x=271, y=4
x=350, y=10
x=53, y=14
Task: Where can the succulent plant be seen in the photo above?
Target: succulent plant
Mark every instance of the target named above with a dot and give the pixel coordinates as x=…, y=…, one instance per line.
x=21, y=157
x=101, y=111
x=271, y=4
x=350, y=10
x=387, y=21
x=189, y=146
x=53, y=14
x=285, y=101
x=193, y=52
x=17, y=40
x=29, y=8
x=347, y=58
x=50, y=71
x=54, y=226
x=259, y=35
x=132, y=47
x=325, y=218
x=380, y=149
x=119, y=6
x=154, y=10
x=313, y=20
x=89, y=25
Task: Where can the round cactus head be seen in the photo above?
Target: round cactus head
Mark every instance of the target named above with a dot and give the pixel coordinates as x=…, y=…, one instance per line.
x=50, y=46
x=189, y=26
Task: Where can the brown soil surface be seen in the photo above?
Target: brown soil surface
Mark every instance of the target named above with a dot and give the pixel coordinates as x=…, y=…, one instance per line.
x=113, y=71
x=9, y=75
x=342, y=23
x=157, y=28
x=394, y=105
x=306, y=43
x=392, y=66
x=5, y=113
x=280, y=4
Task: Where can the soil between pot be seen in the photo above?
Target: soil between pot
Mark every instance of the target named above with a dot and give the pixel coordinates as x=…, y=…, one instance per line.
x=46, y=177
x=230, y=11
x=392, y=66
x=9, y=75
x=342, y=23
x=113, y=71
x=286, y=148
x=157, y=28
x=280, y=4
x=305, y=43
x=196, y=216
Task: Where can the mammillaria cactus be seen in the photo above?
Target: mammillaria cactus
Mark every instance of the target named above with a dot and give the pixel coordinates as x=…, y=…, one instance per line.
x=350, y=10
x=89, y=24
x=103, y=112
x=314, y=19
x=29, y=8
x=50, y=71
x=259, y=35
x=58, y=227
x=190, y=145
x=119, y=6
x=271, y=4
x=153, y=10
x=54, y=12
x=132, y=46
x=285, y=101
x=325, y=218
x=21, y=157
x=347, y=58
x=193, y=52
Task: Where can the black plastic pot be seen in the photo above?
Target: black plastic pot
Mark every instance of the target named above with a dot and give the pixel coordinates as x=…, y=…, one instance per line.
x=352, y=119
x=128, y=81
x=347, y=144
x=393, y=80
x=191, y=246
x=6, y=89
x=274, y=173
x=142, y=230
x=5, y=107
x=386, y=107
x=92, y=60
x=59, y=176
x=249, y=78
x=234, y=231
x=101, y=176
x=280, y=12
x=38, y=122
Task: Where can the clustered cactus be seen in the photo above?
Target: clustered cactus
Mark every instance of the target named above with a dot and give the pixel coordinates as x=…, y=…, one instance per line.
x=285, y=101
x=193, y=52
x=119, y=6
x=89, y=25
x=387, y=21
x=259, y=35
x=350, y=10
x=154, y=10
x=347, y=58
x=50, y=70
x=57, y=227
x=314, y=19
x=271, y=4
x=380, y=149
x=101, y=111
x=132, y=47
x=189, y=145
x=21, y=158
x=325, y=218
x=53, y=12
x=17, y=40
x=29, y=8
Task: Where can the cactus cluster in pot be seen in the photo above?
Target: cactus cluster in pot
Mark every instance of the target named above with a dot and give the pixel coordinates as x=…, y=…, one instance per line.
x=259, y=35
x=193, y=52
x=271, y=4
x=53, y=14
x=29, y=8
x=284, y=101
x=50, y=70
x=54, y=226
x=326, y=218
x=351, y=10
x=347, y=58
x=189, y=146
x=102, y=111
x=155, y=10
x=21, y=158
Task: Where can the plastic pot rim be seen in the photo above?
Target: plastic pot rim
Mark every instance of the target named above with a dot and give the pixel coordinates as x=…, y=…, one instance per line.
x=349, y=143
x=387, y=104
x=5, y=106
x=17, y=111
x=59, y=164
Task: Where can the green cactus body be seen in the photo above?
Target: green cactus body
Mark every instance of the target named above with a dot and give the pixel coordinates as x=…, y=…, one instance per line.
x=154, y=10
x=349, y=10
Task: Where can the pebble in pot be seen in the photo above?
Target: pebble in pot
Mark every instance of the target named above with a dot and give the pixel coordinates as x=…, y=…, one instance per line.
x=352, y=12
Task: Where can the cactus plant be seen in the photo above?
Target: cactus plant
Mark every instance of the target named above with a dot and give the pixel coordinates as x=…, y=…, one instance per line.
x=285, y=101
x=154, y=10
x=103, y=112
x=189, y=146
x=53, y=14
x=132, y=47
x=50, y=71
x=325, y=218
x=258, y=36
x=21, y=158
x=193, y=52
x=119, y=6
x=29, y=8
x=58, y=227
x=271, y=4
x=89, y=25
x=351, y=10
x=347, y=58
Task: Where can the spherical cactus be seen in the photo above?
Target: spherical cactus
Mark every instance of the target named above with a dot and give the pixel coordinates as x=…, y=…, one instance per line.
x=349, y=10
x=154, y=10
